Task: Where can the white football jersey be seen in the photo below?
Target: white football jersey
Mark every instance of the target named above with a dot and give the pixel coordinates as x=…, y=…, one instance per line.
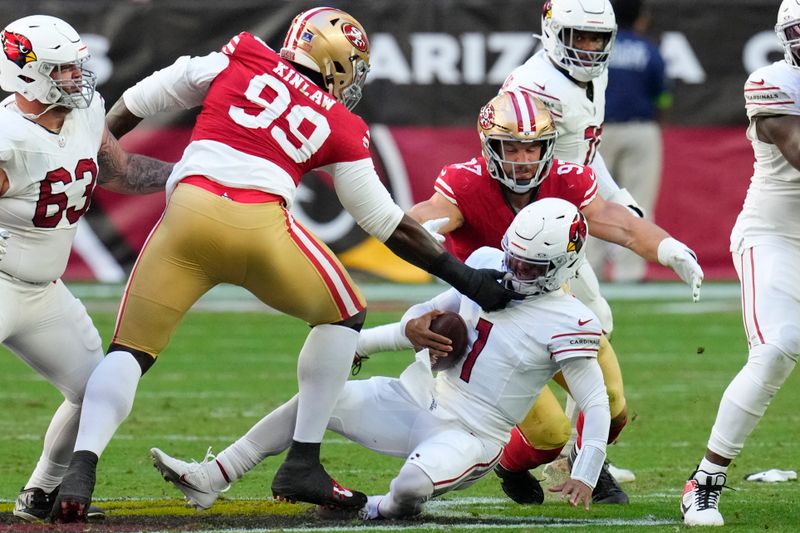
x=578, y=119
x=773, y=198
x=51, y=178
x=512, y=354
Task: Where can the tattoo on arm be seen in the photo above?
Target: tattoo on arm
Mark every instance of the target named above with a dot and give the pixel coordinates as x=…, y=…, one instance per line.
x=130, y=173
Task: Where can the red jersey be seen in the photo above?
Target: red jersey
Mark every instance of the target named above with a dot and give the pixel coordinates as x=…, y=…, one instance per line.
x=486, y=213
x=263, y=124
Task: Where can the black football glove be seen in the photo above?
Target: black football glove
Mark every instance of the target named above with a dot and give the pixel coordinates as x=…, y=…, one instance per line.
x=481, y=285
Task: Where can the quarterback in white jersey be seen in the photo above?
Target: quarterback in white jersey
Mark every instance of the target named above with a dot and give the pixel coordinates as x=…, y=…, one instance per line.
x=54, y=149
x=765, y=245
x=452, y=427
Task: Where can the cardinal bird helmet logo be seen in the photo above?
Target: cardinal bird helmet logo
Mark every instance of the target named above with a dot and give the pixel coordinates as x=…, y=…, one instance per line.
x=18, y=48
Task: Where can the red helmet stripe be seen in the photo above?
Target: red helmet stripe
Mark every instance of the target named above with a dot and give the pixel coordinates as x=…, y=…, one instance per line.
x=531, y=113
x=517, y=110
x=300, y=24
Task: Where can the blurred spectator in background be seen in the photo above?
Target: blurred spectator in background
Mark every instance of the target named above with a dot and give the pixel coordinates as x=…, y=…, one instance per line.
x=636, y=95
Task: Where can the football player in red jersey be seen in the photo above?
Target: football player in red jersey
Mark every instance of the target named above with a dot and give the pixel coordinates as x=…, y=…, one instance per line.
x=54, y=150
x=474, y=202
x=267, y=118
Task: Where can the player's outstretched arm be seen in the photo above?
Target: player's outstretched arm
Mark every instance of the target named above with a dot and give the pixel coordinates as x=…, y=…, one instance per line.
x=613, y=223
x=363, y=196
x=129, y=173
x=414, y=244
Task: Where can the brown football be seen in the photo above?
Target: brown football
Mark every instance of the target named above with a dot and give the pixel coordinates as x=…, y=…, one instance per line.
x=452, y=326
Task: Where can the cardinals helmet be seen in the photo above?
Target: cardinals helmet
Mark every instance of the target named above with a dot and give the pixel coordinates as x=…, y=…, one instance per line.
x=788, y=30
x=544, y=246
x=331, y=42
x=561, y=19
x=43, y=60
x=516, y=116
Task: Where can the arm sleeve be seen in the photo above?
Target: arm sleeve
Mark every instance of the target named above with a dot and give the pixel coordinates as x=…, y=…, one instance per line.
x=386, y=338
x=585, y=381
x=606, y=184
x=363, y=196
x=182, y=85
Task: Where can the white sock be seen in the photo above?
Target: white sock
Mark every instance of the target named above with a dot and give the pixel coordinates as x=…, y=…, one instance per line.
x=108, y=400
x=269, y=436
x=322, y=371
x=712, y=468
x=57, y=449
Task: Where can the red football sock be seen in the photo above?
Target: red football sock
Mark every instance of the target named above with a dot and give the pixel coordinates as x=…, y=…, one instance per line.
x=519, y=454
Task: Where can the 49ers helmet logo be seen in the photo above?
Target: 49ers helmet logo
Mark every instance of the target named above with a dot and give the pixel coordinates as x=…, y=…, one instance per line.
x=355, y=36
x=18, y=48
x=486, y=118
x=577, y=234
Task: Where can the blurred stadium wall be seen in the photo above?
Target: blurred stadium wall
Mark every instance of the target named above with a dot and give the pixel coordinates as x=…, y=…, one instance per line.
x=434, y=63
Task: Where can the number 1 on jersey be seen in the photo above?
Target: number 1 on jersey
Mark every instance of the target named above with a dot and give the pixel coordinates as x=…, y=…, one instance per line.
x=483, y=328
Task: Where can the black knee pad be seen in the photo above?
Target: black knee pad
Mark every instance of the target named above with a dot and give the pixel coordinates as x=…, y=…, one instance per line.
x=355, y=322
x=144, y=359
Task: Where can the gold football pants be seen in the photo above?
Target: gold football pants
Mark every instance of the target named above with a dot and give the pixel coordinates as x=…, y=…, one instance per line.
x=204, y=239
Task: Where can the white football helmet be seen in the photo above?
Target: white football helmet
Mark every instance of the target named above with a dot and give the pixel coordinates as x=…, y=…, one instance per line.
x=544, y=246
x=788, y=30
x=516, y=116
x=561, y=19
x=333, y=43
x=43, y=61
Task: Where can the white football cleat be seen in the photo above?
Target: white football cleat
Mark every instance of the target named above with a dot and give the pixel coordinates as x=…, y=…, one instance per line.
x=622, y=475
x=700, y=500
x=192, y=479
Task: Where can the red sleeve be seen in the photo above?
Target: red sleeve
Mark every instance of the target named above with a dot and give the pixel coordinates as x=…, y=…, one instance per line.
x=454, y=181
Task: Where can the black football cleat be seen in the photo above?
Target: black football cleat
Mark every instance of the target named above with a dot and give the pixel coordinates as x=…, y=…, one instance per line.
x=521, y=487
x=75, y=496
x=297, y=481
x=35, y=505
x=608, y=490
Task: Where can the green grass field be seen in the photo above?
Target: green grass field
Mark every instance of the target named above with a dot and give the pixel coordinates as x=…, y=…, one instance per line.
x=224, y=370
